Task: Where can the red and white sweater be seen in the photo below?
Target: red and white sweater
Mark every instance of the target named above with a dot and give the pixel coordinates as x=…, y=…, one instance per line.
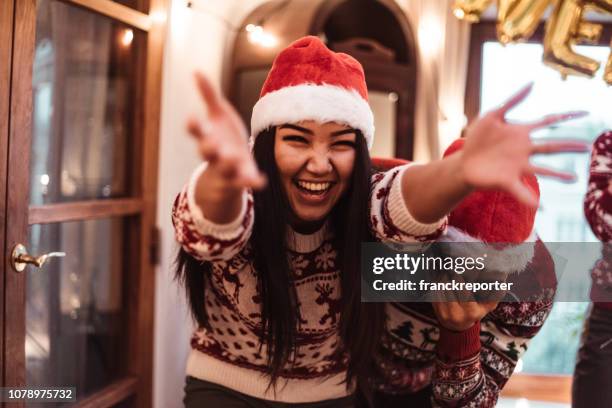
x=468, y=367
x=465, y=369
x=598, y=212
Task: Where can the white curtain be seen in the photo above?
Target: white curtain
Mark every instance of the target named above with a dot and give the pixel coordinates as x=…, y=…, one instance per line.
x=443, y=43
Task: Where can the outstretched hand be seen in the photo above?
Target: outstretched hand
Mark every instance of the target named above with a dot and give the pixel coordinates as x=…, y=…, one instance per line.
x=223, y=140
x=460, y=316
x=496, y=153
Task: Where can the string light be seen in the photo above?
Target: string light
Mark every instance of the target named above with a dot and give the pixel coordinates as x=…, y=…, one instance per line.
x=459, y=13
x=257, y=35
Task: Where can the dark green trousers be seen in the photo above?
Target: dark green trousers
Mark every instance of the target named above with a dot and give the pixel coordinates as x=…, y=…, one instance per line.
x=204, y=394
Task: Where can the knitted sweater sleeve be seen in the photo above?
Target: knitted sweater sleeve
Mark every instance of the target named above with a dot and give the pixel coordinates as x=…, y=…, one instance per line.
x=204, y=239
x=390, y=220
x=598, y=200
x=473, y=366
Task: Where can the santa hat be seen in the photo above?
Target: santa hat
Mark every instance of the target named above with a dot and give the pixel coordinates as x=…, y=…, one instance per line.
x=495, y=223
x=310, y=82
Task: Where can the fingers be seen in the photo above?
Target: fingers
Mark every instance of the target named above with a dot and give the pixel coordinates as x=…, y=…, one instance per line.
x=523, y=193
x=543, y=171
x=220, y=108
x=514, y=100
x=232, y=165
x=194, y=129
x=556, y=118
x=207, y=146
x=460, y=316
x=254, y=179
x=238, y=171
x=560, y=147
x=212, y=100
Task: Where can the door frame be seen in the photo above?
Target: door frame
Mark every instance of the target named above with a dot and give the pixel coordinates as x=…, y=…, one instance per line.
x=6, y=54
x=17, y=39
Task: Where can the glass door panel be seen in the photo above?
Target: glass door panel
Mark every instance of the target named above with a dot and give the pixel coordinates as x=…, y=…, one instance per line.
x=84, y=87
x=75, y=305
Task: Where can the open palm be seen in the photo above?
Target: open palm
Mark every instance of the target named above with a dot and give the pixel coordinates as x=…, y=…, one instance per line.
x=496, y=153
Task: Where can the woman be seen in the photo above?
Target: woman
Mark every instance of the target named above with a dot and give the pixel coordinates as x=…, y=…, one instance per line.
x=271, y=239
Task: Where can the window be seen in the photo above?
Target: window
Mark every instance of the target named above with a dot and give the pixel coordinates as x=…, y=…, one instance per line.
x=500, y=71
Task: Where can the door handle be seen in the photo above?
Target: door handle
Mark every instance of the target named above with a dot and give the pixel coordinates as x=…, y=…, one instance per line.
x=20, y=258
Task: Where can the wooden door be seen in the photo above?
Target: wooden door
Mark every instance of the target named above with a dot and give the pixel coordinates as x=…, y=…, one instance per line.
x=79, y=115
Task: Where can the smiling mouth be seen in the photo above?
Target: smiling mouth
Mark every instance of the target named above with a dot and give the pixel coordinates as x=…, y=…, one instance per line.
x=314, y=188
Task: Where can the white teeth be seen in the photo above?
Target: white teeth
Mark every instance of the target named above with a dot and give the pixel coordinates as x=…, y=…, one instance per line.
x=314, y=186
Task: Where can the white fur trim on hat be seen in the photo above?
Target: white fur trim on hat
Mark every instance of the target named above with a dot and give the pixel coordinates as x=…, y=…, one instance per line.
x=321, y=103
x=513, y=258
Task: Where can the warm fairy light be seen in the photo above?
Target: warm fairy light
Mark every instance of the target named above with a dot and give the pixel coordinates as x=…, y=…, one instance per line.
x=127, y=37
x=257, y=35
x=459, y=13
x=44, y=179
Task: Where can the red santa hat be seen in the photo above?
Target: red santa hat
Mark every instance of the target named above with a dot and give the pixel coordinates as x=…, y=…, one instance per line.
x=310, y=82
x=495, y=223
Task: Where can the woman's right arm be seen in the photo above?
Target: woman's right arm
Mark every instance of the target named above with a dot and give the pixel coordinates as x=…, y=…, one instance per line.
x=213, y=214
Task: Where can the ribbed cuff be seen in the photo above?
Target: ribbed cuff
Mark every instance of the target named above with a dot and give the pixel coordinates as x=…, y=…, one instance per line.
x=457, y=346
x=399, y=213
x=204, y=226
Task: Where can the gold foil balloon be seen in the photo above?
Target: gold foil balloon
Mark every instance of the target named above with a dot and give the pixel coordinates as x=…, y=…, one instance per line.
x=522, y=20
x=588, y=32
x=562, y=31
x=518, y=19
x=503, y=9
x=470, y=10
x=603, y=5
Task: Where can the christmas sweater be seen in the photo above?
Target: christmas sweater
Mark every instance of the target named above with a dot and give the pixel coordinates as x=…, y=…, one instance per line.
x=598, y=212
x=465, y=369
x=228, y=353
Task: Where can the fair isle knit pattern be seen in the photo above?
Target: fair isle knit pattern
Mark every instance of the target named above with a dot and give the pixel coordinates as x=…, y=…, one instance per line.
x=228, y=352
x=598, y=200
x=598, y=212
x=464, y=369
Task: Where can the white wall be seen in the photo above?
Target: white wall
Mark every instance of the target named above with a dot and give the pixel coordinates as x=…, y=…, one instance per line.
x=196, y=40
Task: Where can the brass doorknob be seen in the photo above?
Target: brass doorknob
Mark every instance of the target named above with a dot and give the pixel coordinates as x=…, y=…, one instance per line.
x=20, y=258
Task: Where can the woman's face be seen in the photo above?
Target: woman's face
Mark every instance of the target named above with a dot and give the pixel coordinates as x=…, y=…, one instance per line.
x=315, y=162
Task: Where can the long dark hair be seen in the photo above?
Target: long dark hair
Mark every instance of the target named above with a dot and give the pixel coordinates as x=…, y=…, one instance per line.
x=361, y=324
